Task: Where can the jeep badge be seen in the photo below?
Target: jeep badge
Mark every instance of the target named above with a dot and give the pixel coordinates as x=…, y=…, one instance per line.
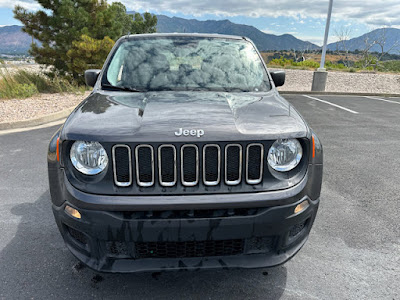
x=192, y=132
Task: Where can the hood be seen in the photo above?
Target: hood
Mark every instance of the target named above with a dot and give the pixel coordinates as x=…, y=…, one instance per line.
x=156, y=116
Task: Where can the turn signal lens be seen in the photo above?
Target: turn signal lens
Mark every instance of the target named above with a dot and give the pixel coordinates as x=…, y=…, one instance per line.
x=301, y=207
x=313, y=147
x=58, y=149
x=73, y=212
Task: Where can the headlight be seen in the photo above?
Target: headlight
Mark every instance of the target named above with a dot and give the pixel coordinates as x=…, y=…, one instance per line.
x=285, y=155
x=89, y=158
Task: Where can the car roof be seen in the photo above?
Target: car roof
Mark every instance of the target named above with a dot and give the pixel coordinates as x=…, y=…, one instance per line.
x=175, y=34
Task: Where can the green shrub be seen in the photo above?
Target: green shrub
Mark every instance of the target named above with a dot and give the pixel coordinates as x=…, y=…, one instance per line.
x=335, y=66
x=390, y=66
x=281, y=62
x=307, y=63
x=20, y=90
x=24, y=84
x=284, y=62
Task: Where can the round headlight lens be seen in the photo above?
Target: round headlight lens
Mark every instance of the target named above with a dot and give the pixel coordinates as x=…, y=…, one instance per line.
x=285, y=155
x=89, y=158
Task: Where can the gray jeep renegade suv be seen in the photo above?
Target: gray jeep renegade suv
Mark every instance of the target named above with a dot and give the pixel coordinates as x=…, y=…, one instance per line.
x=184, y=156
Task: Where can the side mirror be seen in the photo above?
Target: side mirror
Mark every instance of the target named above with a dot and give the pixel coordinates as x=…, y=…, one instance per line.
x=278, y=77
x=91, y=76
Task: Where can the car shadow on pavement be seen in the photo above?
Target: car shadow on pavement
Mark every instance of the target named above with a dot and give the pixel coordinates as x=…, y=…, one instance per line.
x=36, y=264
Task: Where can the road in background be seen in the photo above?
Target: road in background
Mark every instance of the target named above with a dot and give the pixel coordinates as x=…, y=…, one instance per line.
x=352, y=253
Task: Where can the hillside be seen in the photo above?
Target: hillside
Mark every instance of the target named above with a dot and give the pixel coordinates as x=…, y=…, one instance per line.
x=13, y=40
x=392, y=38
x=262, y=40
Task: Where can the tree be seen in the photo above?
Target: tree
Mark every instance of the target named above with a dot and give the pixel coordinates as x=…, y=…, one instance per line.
x=88, y=53
x=381, y=42
x=377, y=40
x=144, y=24
x=61, y=23
x=343, y=35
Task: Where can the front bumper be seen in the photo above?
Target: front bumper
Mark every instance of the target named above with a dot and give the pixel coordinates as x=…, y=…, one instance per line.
x=114, y=242
x=133, y=234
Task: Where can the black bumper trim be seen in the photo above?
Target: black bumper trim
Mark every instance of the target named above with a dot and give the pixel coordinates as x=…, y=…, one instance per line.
x=100, y=227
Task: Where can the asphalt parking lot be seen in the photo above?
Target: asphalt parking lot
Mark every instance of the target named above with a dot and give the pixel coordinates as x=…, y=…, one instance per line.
x=353, y=251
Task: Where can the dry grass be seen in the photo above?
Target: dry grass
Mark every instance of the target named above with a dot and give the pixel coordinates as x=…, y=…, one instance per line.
x=23, y=84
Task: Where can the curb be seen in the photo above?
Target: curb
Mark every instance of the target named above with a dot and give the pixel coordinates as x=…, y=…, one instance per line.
x=37, y=121
x=337, y=94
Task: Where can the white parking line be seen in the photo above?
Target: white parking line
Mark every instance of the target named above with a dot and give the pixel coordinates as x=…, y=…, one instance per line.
x=333, y=104
x=379, y=99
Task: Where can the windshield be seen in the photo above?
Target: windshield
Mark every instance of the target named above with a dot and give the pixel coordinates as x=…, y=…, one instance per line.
x=187, y=63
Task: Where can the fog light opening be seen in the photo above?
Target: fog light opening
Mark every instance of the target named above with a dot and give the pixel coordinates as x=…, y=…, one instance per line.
x=72, y=212
x=301, y=207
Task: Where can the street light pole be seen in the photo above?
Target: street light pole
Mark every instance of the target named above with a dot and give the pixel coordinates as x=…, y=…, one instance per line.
x=328, y=23
x=320, y=76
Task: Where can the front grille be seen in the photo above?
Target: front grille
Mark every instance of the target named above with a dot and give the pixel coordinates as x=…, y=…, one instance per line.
x=190, y=165
x=233, y=164
x=254, y=163
x=215, y=164
x=144, y=165
x=188, y=214
x=122, y=165
x=167, y=161
x=188, y=249
x=211, y=164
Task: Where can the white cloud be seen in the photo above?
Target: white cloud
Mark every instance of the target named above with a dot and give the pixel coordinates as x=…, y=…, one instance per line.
x=371, y=12
x=317, y=40
x=31, y=5
x=374, y=12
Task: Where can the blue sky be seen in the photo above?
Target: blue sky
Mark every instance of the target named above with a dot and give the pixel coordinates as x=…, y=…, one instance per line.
x=304, y=19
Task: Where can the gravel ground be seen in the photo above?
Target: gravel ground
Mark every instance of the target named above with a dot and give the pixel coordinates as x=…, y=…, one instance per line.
x=40, y=105
x=301, y=80
x=12, y=68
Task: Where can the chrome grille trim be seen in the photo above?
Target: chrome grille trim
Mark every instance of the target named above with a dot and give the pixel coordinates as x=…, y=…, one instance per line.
x=166, y=183
x=258, y=180
x=198, y=165
x=211, y=183
x=140, y=183
x=118, y=183
x=233, y=182
x=192, y=183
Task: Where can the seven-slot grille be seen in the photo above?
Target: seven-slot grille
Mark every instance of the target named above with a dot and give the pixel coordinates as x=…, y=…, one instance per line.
x=214, y=164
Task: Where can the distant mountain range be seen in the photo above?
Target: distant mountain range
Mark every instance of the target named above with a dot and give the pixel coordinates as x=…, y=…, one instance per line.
x=262, y=40
x=392, y=36
x=14, y=41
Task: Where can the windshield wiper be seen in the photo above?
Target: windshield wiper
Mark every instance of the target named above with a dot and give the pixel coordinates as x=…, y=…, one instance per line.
x=120, y=88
